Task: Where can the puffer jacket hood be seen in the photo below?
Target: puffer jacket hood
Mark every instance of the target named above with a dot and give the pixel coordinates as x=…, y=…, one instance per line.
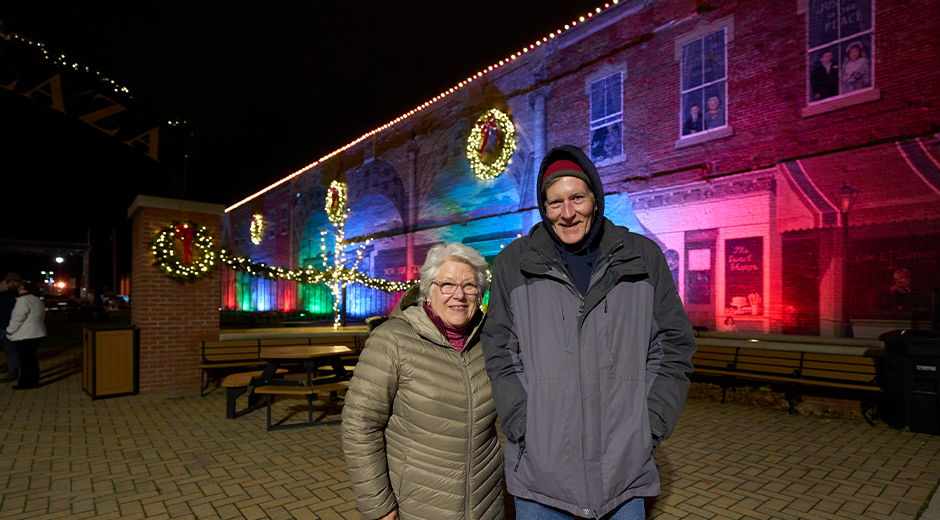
x=577, y=156
x=419, y=424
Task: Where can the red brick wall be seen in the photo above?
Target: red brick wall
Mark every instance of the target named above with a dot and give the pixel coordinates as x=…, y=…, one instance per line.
x=766, y=87
x=172, y=317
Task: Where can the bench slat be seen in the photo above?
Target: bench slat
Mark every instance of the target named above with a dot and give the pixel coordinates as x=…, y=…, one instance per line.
x=835, y=358
x=773, y=354
x=845, y=376
x=285, y=342
x=227, y=344
x=302, y=390
x=221, y=358
x=837, y=367
x=233, y=364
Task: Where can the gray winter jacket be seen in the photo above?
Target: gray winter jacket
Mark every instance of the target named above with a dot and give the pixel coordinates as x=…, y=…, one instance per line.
x=585, y=387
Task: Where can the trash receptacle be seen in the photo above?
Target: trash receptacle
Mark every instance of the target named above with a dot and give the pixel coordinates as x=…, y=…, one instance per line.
x=110, y=361
x=912, y=360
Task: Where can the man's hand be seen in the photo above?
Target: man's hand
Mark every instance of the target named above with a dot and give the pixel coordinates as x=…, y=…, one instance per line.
x=391, y=516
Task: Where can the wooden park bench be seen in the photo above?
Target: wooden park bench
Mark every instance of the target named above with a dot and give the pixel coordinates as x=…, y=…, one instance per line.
x=851, y=367
x=309, y=391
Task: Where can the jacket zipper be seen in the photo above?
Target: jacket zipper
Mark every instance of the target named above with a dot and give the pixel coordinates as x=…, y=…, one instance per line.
x=466, y=376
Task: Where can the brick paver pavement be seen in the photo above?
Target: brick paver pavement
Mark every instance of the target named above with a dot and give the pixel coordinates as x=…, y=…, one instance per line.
x=176, y=456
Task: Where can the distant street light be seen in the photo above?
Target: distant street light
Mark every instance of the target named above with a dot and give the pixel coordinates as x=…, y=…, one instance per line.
x=845, y=197
x=59, y=259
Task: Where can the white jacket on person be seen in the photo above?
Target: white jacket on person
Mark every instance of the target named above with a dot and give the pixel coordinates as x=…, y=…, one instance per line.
x=27, y=320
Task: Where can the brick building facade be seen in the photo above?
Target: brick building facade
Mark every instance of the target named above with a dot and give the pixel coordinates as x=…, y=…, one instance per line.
x=721, y=130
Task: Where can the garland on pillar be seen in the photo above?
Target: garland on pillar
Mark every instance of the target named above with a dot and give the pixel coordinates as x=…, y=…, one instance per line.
x=257, y=228
x=197, y=248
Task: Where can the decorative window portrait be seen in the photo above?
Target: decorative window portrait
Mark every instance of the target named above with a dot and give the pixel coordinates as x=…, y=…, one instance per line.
x=840, y=48
x=704, y=84
x=607, y=117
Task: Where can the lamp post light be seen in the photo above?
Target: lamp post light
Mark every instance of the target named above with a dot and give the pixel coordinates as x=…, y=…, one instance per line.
x=845, y=197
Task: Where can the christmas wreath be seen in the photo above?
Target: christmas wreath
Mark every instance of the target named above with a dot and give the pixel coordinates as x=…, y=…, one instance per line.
x=496, y=129
x=198, y=253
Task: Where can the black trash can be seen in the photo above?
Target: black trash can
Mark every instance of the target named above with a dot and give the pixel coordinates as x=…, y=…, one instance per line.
x=912, y=360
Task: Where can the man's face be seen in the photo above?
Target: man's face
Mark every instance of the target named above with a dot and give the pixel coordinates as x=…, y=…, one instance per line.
x=902, y=279
x=826, y=58
x=13, y=284
x=569, y=205
x=694, y=110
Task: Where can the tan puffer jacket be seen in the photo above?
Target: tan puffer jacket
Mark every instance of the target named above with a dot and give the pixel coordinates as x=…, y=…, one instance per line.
x=419, y=424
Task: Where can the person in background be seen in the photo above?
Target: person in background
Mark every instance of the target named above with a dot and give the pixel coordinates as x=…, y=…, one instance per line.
x=693, y=123
x=824, y=78
x=715, y=116
x=856, y=69
x=27, y=326
x=419, y=424
x=588, y=349
x=8, y=294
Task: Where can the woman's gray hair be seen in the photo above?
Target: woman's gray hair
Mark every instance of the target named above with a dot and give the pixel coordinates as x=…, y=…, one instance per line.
x=452, y=251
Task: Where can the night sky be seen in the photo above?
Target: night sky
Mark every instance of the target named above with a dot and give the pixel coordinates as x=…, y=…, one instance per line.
x=267, y=89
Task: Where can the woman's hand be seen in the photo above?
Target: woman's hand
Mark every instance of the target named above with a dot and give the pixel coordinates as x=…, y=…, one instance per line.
x=391, y=516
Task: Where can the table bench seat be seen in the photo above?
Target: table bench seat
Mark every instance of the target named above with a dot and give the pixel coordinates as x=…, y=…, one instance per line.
x=309, y=391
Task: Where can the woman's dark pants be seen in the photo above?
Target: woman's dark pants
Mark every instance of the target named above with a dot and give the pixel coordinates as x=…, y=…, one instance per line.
x=29, y=363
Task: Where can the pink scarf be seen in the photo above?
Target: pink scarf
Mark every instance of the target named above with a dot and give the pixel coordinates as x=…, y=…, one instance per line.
x=456, y=336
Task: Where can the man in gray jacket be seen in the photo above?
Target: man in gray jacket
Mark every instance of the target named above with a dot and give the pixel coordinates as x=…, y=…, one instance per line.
x=588, y=349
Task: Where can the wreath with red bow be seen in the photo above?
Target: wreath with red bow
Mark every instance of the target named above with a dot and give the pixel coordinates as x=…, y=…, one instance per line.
x=496, y=129
x=183, y=251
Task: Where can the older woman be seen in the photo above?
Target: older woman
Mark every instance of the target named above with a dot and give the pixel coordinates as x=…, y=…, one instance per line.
x=25, y=330
x=419, y=421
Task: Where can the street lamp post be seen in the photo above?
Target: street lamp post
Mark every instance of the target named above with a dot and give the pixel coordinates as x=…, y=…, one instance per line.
x=845, y=196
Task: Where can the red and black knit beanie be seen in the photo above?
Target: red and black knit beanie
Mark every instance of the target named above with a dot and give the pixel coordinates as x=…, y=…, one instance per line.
x=562, y=168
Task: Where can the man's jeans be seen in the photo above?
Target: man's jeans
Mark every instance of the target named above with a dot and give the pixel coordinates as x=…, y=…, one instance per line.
x=527, y=510
x=9, y=349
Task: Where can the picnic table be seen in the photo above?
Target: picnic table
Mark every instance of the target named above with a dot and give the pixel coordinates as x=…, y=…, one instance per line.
x=311, y=357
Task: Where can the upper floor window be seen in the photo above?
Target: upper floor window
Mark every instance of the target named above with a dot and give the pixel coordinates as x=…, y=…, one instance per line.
x=272, y=224
x=704, y=85
x=607, y=117
x=284, y=220
x=840, y=40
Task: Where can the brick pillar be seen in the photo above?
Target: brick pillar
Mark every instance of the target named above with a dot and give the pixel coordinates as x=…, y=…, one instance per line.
x=172, y=317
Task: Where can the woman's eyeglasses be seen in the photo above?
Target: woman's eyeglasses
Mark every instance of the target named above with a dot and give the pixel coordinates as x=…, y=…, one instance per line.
x=447, y=288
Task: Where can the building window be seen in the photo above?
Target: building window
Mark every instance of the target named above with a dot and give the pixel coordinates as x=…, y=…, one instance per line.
x=272, y=223
x=607, y=117
x=284, y=220
x=841, y=47
x=241, y=234
x=704, y=86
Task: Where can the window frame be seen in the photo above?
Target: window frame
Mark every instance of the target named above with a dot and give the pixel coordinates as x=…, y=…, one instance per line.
x=272, y=223
x=602, y=74
x=285, y=217
x=865, y=95
x=699, y=33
